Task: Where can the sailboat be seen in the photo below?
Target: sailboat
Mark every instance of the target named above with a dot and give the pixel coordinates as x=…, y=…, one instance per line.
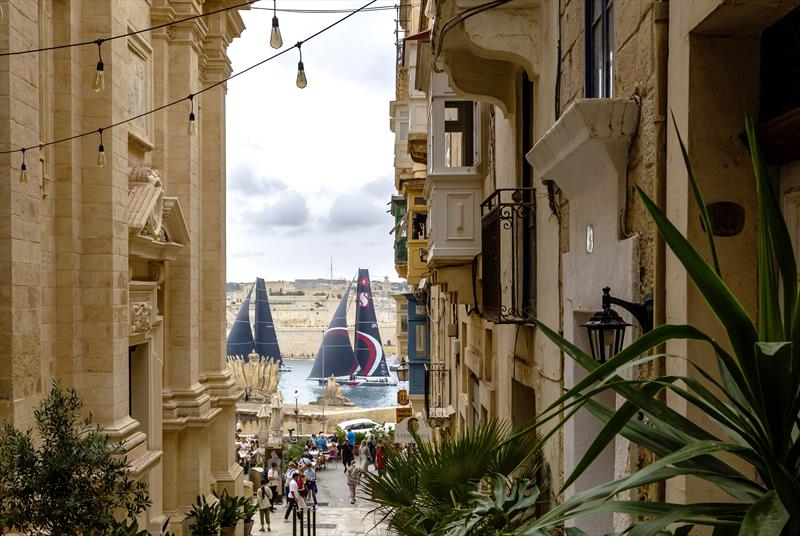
x=367, y=364
x=335, y=355
x=265, y=343
x=373, y=370
x=240, y=338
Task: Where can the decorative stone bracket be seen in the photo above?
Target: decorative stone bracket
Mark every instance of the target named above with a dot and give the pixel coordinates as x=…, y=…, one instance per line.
x=483, y=54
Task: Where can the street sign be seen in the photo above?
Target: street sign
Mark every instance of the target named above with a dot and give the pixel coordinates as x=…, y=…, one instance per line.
x=403, y=412
x=402, y=397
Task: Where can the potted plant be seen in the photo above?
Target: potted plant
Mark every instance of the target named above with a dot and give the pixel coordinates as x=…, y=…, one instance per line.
x=249, y=510
x=205, y=518
x=230, y=511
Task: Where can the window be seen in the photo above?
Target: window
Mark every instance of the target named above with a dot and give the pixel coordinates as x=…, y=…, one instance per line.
x=419, y=223
x=420, y=340
x=599, y=48
x=403, y=324
x=454, y=137
x=458, y=127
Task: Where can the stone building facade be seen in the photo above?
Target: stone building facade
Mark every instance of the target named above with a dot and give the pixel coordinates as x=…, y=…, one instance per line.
x=571, y=104
x=113, y=277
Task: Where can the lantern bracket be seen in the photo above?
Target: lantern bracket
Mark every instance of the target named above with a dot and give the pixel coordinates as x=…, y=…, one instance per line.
x=642, y=312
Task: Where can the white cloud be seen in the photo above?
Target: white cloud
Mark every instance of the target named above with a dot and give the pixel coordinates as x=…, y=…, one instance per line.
x=300, y=162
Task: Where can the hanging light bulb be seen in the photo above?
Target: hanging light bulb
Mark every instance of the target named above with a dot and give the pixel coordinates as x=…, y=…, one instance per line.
x=23, y=170
x=192, y=130
x=99, y=82
x=275, y=39
x=101, y=152
x=301, y=72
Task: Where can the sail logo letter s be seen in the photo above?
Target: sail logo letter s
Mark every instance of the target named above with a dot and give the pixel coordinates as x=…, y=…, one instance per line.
x=363, y=299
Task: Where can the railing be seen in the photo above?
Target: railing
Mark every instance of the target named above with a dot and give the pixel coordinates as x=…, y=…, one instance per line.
x=437, y=393
x=508, y=247
x=309, y=520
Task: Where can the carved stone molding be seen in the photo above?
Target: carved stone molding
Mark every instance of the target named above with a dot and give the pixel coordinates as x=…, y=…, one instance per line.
x=141, y=314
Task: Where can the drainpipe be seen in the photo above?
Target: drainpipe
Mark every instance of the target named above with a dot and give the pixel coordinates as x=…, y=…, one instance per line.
x=661, y=45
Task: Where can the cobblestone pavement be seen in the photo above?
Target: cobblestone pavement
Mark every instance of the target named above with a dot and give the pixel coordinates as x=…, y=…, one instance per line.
x=335, y=515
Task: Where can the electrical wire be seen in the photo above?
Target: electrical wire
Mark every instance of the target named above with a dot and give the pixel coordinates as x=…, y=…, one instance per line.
x=327, y=11
x=101, y=40
x=191, y=95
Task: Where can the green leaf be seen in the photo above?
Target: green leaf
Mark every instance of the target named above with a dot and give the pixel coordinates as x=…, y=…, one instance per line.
x=723, y=303
x=766, y=516
x=698, y=197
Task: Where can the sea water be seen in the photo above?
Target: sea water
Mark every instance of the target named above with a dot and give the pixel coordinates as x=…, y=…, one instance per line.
x=362, y=396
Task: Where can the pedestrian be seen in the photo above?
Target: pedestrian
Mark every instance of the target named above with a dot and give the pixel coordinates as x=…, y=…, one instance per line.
x=380, y=458
x=363, y=455
x=264, y=497
x=311, y=482
x=295, y=501
x=322, y=444
x=353, y=476
x=351, y=438
x=347, y=455
x=274, y=482
x=290, y=472
x=371, y=443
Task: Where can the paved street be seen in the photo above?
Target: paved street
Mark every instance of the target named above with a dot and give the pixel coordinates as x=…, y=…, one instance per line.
x=335, y=515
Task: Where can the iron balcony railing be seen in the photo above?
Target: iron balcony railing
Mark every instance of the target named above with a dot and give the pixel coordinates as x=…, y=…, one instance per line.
x=508, y=247
x=437, y=391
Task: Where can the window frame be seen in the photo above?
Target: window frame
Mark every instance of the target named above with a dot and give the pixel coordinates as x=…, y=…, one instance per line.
x=604, y=22
x=438, y=128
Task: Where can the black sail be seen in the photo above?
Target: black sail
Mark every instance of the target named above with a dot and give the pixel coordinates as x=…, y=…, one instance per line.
x=335, y=355
x=369, y=349
x=266, y=343
x=240, y=339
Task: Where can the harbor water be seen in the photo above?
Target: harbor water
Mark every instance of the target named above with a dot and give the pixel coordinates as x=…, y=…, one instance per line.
x=362, y=396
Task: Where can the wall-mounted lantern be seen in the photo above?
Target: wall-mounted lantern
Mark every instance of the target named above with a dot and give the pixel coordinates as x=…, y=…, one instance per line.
x=402, y=370
x=606, y=329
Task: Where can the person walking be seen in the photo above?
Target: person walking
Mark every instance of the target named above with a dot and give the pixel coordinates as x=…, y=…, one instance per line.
x=311, y=482
x=353, y=477
x=351, y=438
x=380, y=458
x=295, y=501
x=264, y=498
x=274, y=482
x=363, y=455
x=347, y=455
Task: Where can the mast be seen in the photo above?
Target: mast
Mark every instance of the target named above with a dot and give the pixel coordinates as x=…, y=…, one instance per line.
x=240, y=339
x=369, y=349
x=266, y=340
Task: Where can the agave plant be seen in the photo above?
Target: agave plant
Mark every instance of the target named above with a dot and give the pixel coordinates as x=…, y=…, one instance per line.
x=754, y=399
x=430, y=489
x=500, y=512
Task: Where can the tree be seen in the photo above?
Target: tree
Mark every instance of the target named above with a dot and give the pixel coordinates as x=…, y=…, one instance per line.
x=67, y=479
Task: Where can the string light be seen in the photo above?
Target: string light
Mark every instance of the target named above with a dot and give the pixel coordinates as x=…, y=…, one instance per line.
x=23, y=170
x=301, y=72
x=101, y=152
x=275, y=40
x=41, y=146
x=192, y=130
x=99, y=82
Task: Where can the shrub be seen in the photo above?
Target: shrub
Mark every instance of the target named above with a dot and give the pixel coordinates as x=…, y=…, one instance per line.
x=71, y=480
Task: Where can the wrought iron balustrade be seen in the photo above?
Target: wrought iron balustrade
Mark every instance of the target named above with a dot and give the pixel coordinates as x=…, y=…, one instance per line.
x=437, y=393
x=508, y=248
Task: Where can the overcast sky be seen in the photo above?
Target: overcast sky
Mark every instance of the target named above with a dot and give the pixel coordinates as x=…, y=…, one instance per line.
x=310, y=171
